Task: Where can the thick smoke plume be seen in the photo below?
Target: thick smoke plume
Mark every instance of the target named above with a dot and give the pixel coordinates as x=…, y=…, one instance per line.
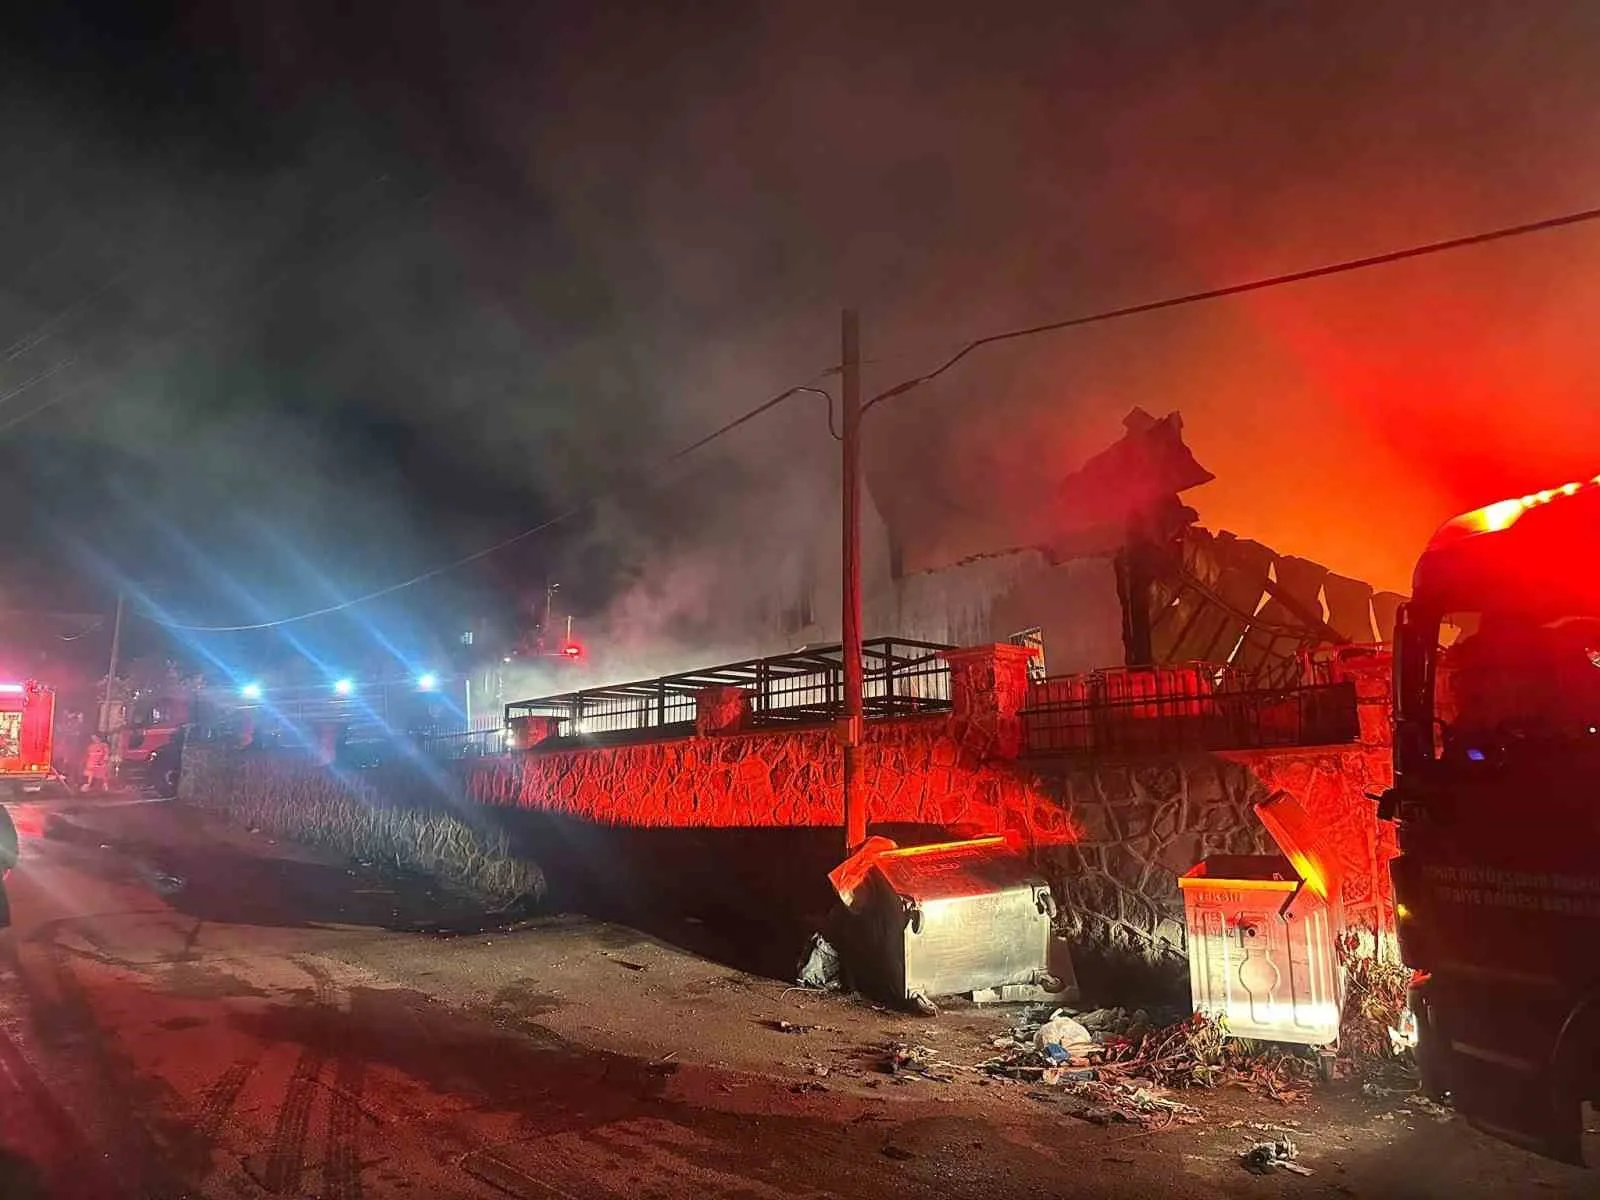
x=529, y=258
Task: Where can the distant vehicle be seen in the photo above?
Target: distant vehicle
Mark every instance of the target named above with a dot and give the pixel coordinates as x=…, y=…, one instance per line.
x=27, y=736
x=1497, y=805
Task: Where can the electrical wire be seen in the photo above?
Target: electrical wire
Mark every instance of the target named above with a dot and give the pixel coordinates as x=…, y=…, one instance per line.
x=1239, y=289
x=45, y=331
x=1255, y=285
x=504, y=543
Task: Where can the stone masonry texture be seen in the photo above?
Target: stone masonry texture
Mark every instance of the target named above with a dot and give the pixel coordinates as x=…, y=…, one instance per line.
x=1111, y=836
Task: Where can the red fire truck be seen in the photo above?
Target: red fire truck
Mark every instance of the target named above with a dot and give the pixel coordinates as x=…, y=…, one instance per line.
x=1497, y=804
x=27, y=731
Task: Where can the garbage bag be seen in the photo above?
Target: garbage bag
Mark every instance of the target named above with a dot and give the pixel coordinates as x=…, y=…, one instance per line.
x=821, y=968
x=1063, y=1032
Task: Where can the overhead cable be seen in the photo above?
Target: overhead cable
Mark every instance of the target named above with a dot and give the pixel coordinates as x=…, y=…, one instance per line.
x=1239, y=289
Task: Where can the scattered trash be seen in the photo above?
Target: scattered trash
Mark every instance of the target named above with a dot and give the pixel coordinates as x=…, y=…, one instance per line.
x=1054, y=1076
x=1061, y=1038
x=1125, y=1061
x=1432, y=1108
x=821, y=967
x=808, y=1085
x=920, y=1003
x=788, y=1026
x=1375, y=1004
x=1378, y=1091
x=1265, y=1157
x=623, y=962
x=898, y=1153
x=903, y=1060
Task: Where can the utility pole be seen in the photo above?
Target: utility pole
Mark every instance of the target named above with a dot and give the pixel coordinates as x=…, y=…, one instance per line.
x=111, y=669
x=855, y=804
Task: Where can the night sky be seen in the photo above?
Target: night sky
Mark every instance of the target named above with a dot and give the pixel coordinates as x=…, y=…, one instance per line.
x=320, y=296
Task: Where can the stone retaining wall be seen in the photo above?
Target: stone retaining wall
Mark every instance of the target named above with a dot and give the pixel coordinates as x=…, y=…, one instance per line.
x=1112, y=836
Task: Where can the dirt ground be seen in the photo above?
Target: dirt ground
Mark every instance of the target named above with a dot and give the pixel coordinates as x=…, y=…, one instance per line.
x=189, y=1010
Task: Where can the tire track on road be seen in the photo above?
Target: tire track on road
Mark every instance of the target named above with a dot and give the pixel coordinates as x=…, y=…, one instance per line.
x=341, y=1162
x=286, y=1154
x=222, y=1095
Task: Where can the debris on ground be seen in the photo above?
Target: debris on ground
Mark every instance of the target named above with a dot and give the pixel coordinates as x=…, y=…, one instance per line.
x=1125, y=1063
x=782, y=1026
x=921, y=1061
x=1375, y=1001
x=1265, y=1157
x=1410, y=1100
x=821, y=967
x=1061, y=1038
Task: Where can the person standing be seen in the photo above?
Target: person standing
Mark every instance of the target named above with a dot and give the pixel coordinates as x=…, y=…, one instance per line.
x=97, y=764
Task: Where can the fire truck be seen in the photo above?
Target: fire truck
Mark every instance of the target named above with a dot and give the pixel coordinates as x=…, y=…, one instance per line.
x=27, y=732
x=1496, y=801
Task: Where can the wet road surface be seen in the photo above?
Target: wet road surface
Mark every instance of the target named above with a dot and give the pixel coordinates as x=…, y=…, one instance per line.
x=187, y=1011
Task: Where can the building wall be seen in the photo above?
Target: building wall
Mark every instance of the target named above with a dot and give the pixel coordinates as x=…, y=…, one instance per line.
x=1112, y=836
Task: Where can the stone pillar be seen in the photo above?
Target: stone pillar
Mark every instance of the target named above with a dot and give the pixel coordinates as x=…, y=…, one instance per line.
x=527, y=732
x=721, y=710
x=988, y=691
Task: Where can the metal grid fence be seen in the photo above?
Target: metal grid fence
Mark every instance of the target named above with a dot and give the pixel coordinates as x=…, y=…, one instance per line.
x=1192, y=707
x=899, y=677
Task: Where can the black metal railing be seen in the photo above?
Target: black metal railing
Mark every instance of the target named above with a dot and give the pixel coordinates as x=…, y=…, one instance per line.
x=486, y=736
x=899, y=677
x=1199, y=707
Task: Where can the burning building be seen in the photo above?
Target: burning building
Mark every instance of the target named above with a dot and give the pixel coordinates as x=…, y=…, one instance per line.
x=1107, y=565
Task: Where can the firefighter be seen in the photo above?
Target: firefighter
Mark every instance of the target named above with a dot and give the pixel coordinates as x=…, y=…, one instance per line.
x=97, y=764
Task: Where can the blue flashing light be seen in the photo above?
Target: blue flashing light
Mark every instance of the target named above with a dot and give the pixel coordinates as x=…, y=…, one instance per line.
x=427, y=682
x=1475, y=755
x=344, y=686
x=251, y=691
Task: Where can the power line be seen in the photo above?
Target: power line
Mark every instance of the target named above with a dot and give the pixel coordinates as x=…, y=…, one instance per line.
x=1255, y=285
x=1239, y=289
x=46, y=330
x=504, y=543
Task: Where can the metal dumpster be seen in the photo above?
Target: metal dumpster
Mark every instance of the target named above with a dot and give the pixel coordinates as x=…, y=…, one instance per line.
x=1261, y=935
x=952, y=918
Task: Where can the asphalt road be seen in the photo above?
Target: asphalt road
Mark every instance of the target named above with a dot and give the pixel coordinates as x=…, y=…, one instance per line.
x=186, y=1010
